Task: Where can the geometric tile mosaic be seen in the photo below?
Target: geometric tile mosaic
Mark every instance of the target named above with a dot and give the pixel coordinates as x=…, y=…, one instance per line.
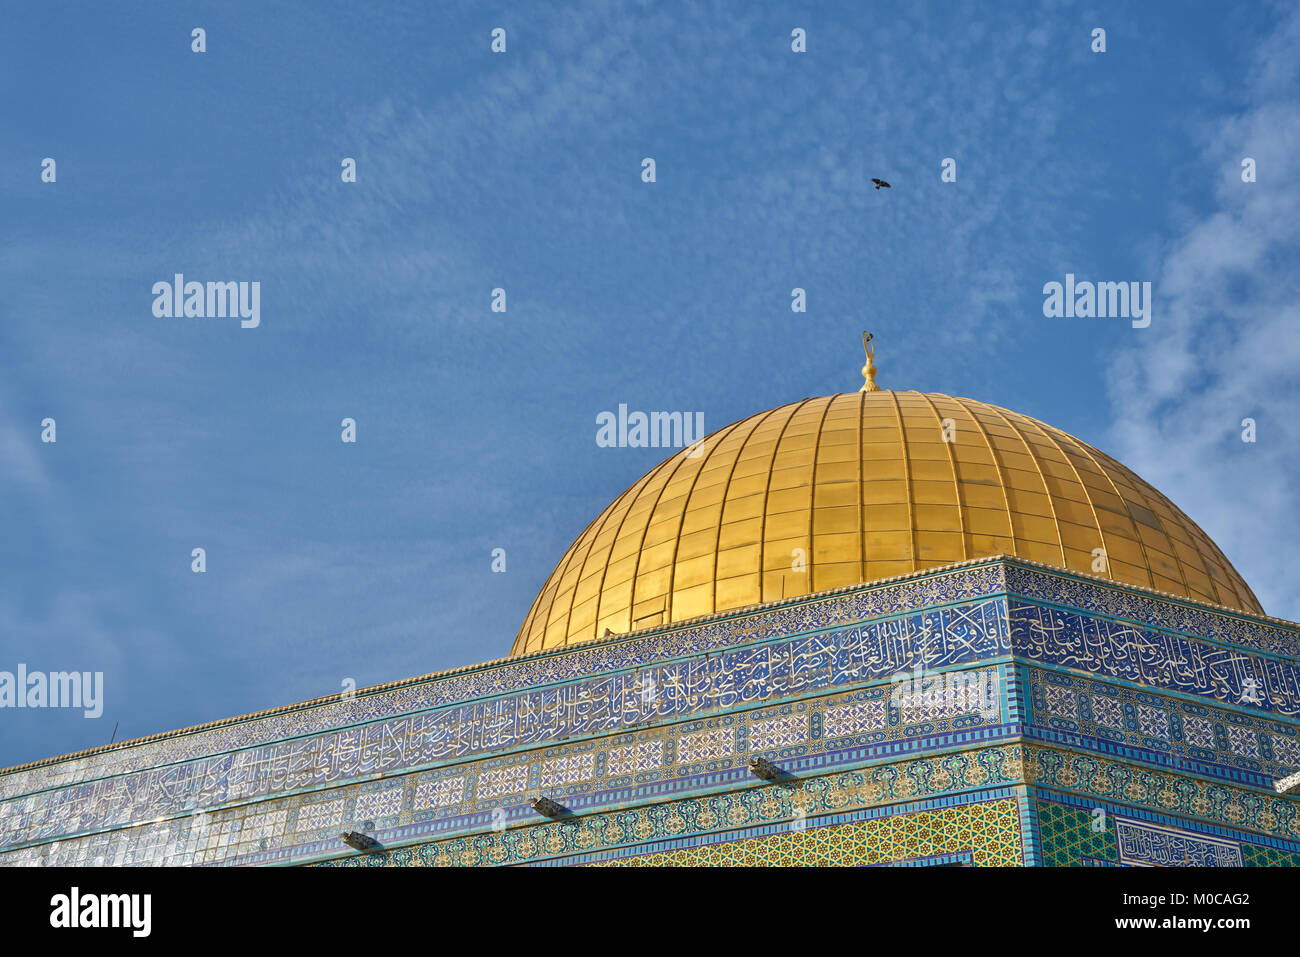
x=870, y=798
x=934, y=697
x=441, y=793
x=706, y=745
x=632, y=758
x=881, y=790
x=501, y=781
x=382, y=803
x=989, y=832
x=1070, y=837
x=323, y=814
x=779, y=732
x=1243, y=742
x=966, y=581
x=1067, y=835
x=1162, y=791
x=1153, y=722
x=855, y=718
x=559, y=772
x=1141, y=717
x=1256, y=855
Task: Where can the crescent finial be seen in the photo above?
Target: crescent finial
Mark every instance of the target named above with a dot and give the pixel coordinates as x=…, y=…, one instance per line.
x=869, y=370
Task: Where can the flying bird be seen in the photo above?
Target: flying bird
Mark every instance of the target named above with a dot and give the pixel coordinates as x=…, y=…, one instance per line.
x=880, y=182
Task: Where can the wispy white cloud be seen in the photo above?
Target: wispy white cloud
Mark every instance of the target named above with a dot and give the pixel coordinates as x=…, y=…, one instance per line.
x=523, y=170
x=1225, y=342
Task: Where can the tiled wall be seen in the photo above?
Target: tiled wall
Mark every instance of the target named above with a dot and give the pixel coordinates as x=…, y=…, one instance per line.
x=1188, y=692
x=608, y=771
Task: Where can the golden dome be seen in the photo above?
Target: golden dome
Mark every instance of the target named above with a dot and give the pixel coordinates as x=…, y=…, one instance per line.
x=862, y=486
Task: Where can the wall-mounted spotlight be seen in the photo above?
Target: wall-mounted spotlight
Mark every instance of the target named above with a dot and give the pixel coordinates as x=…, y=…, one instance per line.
x=362, y=842
x=546, y=807
x=1288, y=785
x=765, y=769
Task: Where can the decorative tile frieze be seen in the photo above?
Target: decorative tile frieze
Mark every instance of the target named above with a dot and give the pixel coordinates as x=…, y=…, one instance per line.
x=1153, y=722
x=867, y=802
x=782, y=731
x=717, y=682
x=1158, y=659
x=558, y=772
x=447, y=792
x=1072, y=832
x=985, y=835
x=1099, y=598
x=381, y=803
x=1089, y=775
x=461, y=797
x=1180, y=707
x=313, y=817
x=962, y=584
x=706, y=745
x=1172, y=727
x=855, y=717
x=632, y=758
x=1149, y=845
x=502, y=781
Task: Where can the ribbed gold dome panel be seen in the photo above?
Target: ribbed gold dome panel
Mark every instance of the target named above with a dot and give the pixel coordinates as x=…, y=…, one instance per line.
x=865, y=487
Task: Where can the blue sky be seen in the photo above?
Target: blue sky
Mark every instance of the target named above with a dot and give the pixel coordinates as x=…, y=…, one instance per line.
x=476, y=429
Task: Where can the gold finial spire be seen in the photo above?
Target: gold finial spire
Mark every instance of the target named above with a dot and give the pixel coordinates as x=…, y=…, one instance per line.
x=869, y=370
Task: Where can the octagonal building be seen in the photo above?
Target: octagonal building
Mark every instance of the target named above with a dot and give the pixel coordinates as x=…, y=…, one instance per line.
x=882, y=628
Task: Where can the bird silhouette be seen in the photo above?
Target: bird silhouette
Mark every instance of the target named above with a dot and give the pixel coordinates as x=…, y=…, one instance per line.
x=880, y=182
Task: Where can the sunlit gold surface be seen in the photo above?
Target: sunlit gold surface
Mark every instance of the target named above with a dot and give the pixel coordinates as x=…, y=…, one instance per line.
x=869, y=370
x=865, y=486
